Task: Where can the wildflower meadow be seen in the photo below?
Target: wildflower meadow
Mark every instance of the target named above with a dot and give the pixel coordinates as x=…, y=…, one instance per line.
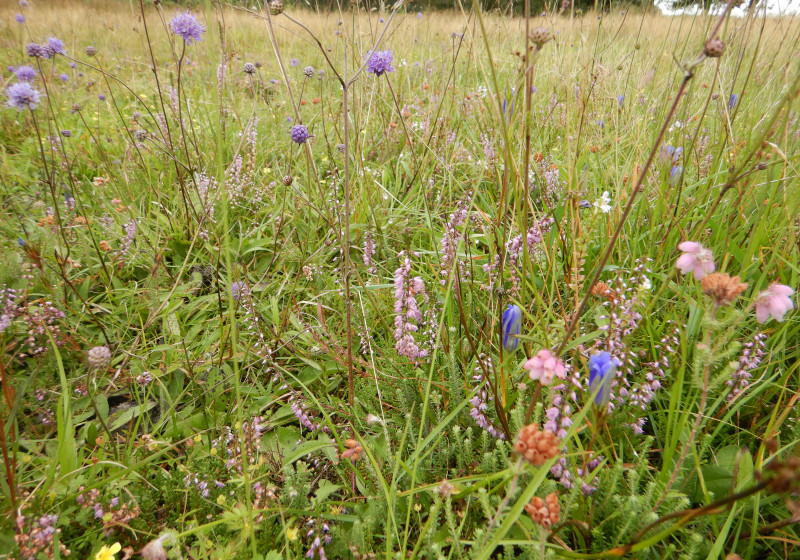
x=377, y=281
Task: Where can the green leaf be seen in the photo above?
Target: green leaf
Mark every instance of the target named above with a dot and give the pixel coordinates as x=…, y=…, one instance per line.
x=101, y=404
x=326, y=488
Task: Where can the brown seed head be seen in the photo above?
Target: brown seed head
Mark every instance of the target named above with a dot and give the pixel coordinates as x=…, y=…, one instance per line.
x=540, y=36
x=601, y=289
x=276, y=7
x=537, y=446
x=287, y=180
x=722, y=288
x=544, y=512
x=714, y=48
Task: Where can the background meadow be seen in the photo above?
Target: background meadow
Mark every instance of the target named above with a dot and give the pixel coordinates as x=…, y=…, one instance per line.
x=532, y=223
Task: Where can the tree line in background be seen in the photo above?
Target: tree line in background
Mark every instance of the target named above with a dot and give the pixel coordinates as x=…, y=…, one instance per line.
x=502, y=6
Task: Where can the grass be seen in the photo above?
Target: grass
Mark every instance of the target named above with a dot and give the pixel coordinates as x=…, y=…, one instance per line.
x=225, y=344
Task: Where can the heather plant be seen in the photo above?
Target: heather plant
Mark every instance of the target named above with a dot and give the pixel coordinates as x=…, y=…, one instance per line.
x=381, y=282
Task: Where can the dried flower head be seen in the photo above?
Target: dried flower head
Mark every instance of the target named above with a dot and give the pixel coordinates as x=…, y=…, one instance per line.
x=537, y=446
x=91, y=50
x=545, y=512
x=714, y=48
x=540, y=36
x=353, y=450
x=276, y=7
x=288, y=180
x=249, y=68
x=309, y=71
x=99, y=357
x=601, y=289
x=722, y=288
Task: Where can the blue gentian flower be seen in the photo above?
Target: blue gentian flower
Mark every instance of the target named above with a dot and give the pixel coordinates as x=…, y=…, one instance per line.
x=602, y=369
x=733, y=101
x=675, y=174
x=512, y=323
x=620, y=100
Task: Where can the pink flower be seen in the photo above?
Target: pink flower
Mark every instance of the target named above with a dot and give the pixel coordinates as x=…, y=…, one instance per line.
x=544, y=366
x=775, y=301
x=695, y=258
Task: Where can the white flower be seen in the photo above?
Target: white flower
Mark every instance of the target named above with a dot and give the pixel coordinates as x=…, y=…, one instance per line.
x=676, y=124
x=603, y=203
x=646, y=285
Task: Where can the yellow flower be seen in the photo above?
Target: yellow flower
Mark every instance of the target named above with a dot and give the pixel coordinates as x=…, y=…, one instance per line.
x=291, y=533
x=108, y=552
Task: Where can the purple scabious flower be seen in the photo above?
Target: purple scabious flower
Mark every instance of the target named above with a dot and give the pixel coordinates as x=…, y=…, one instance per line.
x=299, y=133
x=512, y=323
x=55, y=46
x=294, y=62
x=380, y=62
x=25, y=73
x=23, y=96
x=20, y=18
x=602, y=370
x=186, y=26
x=63, y=77
x=101, y=97
x=36, y=50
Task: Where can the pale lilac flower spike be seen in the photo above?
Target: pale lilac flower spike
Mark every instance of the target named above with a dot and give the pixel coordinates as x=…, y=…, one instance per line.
x=696, y=259
x=775, y=301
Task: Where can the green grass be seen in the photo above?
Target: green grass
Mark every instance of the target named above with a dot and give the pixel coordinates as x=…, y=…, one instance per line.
x=213, y=257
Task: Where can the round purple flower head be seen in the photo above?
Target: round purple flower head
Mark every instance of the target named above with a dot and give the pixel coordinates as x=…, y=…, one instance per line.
x=25, y=73
x=20, y=18
x=37, y=51
x=101, y=97
x=55, y=46
x=186, y=26
x=63, y=77
x=23, y=96
x=294, y=62
x=512, y=323
x=300, y=133
x=602, y=368
x=380, y=62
